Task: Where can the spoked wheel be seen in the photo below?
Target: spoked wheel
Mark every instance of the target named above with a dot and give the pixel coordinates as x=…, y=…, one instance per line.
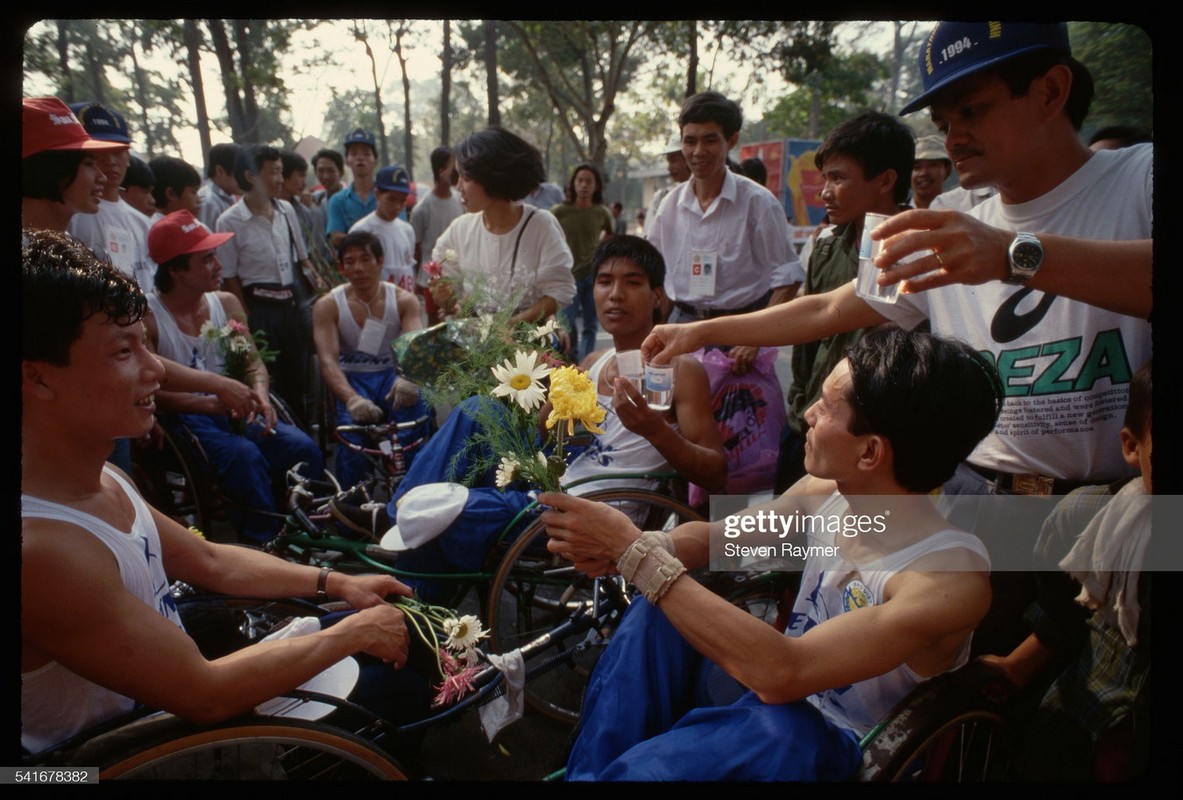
x=946, y=731
x=171, y=482
x=168, y=748
x=534, y=590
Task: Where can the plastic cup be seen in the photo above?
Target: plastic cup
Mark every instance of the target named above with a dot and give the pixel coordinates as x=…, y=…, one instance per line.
x=659, y=386
x=628, y=365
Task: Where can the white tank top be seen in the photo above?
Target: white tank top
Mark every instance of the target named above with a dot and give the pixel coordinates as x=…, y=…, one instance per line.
x=350, y=358
x=55, y=702
x=830, y=587
x=192, y=351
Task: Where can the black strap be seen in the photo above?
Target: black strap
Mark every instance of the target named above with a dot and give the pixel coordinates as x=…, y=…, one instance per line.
x=518, y=243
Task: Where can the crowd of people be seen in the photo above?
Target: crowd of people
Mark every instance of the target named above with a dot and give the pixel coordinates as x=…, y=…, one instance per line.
x=1013, y=360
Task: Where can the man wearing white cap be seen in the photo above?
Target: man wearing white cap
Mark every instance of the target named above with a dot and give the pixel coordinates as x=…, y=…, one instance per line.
x=930, y=170
x=678, y=171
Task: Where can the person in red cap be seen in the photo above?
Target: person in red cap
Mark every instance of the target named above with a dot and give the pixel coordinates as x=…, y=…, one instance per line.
x=186, y=306
x=60, y=176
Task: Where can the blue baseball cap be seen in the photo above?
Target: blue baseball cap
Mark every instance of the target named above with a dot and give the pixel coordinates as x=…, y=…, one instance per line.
x=102, y=123
x=360, y=136
x=955, y=50
x=393, y=179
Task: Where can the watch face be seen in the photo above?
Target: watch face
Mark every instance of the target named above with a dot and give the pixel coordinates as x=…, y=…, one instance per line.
x=1026, y=255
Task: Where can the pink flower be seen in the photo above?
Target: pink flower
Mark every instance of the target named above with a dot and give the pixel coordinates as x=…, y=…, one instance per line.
x=434, y=269
x=455, y=686
x=238, y=328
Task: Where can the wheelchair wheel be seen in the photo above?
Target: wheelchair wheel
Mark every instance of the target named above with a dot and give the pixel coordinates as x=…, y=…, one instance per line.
x=534, y=590
x=165, y=747
x=946, y=731
x=170, y=481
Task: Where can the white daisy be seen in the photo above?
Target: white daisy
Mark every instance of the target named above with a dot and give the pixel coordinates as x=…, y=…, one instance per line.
x=520, y=381
x=506, y=471
x=463, y=633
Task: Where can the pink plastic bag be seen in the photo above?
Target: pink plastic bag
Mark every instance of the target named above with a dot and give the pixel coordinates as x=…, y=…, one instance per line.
x=750, y=412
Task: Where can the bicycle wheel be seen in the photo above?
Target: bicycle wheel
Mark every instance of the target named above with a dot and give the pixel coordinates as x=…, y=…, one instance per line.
x=265, y=748
x=946, y=731
x=534, y=590
x=170, y=482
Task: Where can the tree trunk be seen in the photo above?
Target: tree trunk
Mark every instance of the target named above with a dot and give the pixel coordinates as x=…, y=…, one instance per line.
x=408, y=135
x=225, y=56
x=491, y=71
x=446, y=87
x=137, y=76
x=192, y=36
x=69, y=95
x=362, y=36
x=250, y=107
x=692, y=61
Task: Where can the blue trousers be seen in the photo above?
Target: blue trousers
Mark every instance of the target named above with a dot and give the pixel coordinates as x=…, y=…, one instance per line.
x=652, y=712
x=584, y=307
x=351, y=468
x=249, y=466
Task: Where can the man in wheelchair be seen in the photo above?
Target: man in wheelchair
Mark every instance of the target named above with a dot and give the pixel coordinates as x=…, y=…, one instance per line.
x=353, y=327
x=878, y=612
x=99, y=629
x=629, y=274
x=249, y=461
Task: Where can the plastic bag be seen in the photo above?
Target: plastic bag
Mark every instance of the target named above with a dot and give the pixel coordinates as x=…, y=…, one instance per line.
x=750, y=412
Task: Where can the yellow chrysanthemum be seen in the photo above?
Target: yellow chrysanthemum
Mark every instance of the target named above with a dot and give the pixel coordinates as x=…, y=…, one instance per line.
x=573, y=398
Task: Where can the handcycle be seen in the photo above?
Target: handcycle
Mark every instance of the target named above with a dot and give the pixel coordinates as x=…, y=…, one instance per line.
x=350, y=744
x=520, y=589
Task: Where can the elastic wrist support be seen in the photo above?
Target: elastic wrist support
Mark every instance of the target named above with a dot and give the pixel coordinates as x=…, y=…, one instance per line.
x=649, y=565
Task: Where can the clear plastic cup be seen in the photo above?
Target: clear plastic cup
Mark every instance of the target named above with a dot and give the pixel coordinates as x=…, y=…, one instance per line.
x=659, y=386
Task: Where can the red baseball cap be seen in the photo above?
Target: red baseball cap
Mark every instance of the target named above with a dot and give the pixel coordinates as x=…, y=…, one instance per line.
x=180, y=233
x=48, y=124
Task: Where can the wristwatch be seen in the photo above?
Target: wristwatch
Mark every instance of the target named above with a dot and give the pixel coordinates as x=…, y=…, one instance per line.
x=1023, y=257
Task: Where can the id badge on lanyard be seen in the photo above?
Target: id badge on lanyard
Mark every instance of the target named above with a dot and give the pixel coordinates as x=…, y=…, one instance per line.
x=704, y=269
x=372, y=334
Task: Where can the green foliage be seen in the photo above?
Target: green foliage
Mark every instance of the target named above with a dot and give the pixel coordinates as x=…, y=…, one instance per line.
x=1119, y=58
x=846, y=87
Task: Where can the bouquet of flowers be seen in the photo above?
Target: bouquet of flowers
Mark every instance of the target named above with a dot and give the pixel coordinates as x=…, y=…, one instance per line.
x=453, y=639
x=242, y=353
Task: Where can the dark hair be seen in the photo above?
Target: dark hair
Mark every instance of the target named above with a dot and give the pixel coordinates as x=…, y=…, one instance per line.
x=1126, y=135
x=140, y=174
x=331, y=155
x=1137, y=412
x=251, y=159
x=363, y=239
x=504, y=164
x=878, y=142
x=1018, y=73
x=754, y=168
x=292, y=162
x=636, y=250
x=933, y=398
x=164, y=272
x=712, y=107
x=62, y=285
x=172, y=173
x=439, y=159
x=224, y=156
x=46, y=174
x=598, y=196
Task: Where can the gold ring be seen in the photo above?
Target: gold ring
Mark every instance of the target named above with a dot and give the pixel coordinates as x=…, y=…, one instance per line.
x=940, y=261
